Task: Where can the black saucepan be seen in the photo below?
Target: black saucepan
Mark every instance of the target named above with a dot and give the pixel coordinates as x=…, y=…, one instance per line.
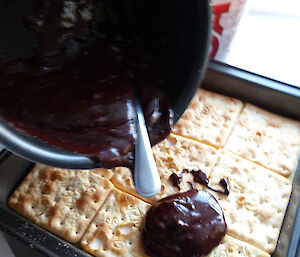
x=185, y=25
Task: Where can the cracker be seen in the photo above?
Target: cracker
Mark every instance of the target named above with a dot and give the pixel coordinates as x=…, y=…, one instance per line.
x=62, y=201
x=231, y=247
x=209, y=118
x=174, y=154
x=103, y=172
x=255, y=207
x=266, y=138
x=117, y=228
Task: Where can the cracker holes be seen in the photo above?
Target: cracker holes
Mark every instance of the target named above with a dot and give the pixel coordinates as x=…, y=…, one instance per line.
x=258, y=133
x=127, y=181
x=241, y=199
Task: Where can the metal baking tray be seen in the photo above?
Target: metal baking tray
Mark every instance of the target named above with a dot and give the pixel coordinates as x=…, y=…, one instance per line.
x=261, y=91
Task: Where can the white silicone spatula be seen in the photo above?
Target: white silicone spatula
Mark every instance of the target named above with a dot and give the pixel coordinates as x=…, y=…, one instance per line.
x=146, y=177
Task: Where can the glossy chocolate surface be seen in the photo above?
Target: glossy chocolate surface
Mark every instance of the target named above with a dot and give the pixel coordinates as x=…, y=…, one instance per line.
x=187, y=224
x=201, y=178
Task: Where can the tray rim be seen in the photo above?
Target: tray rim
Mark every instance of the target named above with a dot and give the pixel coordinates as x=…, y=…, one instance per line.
x=254, y=78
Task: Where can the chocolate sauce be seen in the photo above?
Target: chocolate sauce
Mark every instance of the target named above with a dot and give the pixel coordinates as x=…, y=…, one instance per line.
x=201, y=178
x=224, y=183
x=187, y=224
x=176, y=180
x=191, y=184
x=77, y=92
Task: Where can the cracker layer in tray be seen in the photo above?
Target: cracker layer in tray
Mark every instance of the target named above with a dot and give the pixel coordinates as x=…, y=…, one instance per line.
x=109, y=222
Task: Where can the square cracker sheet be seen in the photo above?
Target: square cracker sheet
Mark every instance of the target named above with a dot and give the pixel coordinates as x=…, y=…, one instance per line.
x=266, y=138
x=231, y=247
x=174, y=154
x=116, y=230
x=103, y=172
x=62, y=201
x=257, y=202
x=209, y=118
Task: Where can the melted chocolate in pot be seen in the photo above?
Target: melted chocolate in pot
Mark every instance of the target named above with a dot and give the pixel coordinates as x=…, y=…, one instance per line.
x=78, y=90
x=184, y=225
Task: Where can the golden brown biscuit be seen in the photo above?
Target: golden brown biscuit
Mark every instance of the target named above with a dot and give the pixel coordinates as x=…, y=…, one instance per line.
x=209, y=118
x=266, y=138
x=231, y=247
x=117, y=228
x=104, y=173
x=62, y=201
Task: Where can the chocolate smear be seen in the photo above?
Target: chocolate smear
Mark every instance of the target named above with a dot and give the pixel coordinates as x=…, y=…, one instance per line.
x=201, y=178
